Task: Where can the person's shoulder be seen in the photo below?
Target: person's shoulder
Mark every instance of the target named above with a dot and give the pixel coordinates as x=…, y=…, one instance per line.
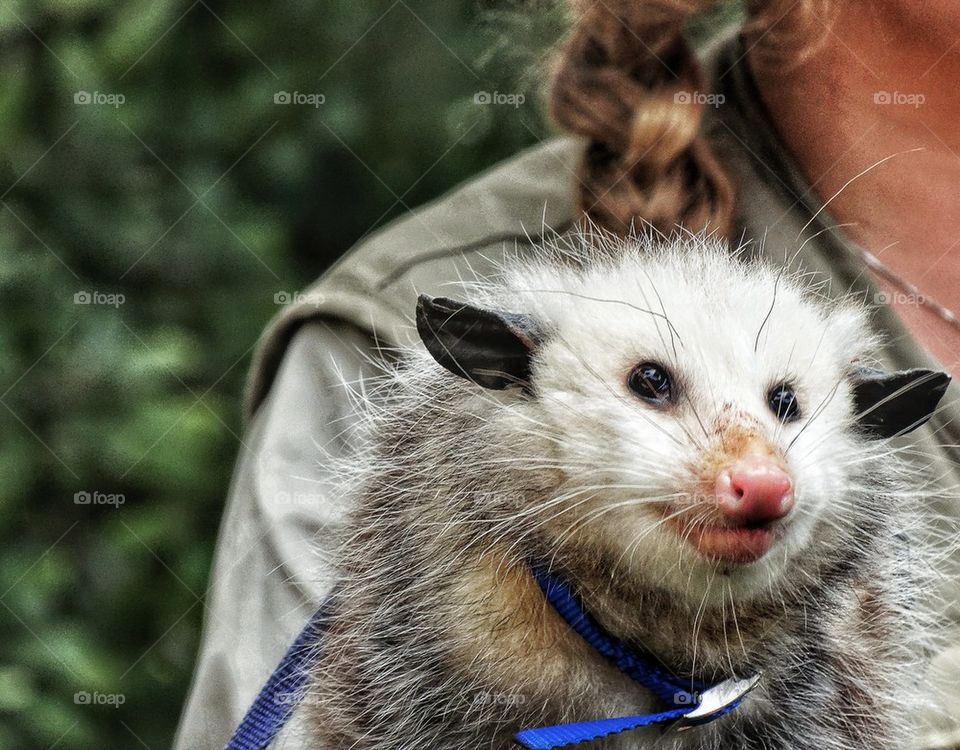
x=373, y=287
x=375, y=283
x=516, y=197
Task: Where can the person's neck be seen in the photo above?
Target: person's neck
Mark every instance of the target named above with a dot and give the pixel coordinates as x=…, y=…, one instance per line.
x=882, y=85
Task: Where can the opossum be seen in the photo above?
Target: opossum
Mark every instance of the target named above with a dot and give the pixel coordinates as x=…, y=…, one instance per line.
x=697, y=443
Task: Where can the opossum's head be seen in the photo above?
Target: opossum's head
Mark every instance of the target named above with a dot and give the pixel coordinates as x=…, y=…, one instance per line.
x=704, y=416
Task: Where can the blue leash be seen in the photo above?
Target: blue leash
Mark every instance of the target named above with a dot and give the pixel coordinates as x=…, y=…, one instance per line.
x=274, y=705
x=282, y=692
x=640, y=669
x=690, y=707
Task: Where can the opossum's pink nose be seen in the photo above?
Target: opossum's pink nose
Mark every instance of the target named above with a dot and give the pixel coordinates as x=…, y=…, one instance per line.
x=754, y=490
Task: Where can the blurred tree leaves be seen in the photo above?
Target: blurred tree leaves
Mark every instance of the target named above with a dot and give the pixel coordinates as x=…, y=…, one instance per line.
x=197, y=198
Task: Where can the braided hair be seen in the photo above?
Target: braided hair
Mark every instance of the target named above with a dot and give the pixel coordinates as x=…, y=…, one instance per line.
x=625, y=80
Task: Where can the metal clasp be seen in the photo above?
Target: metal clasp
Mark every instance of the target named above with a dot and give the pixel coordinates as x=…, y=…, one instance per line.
x=715, y=701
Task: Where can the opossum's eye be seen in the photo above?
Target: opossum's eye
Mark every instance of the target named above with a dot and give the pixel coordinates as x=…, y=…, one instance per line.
x=783, y=402
x=651, y=382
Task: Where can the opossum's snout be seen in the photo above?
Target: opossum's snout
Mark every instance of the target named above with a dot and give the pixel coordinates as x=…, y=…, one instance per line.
x=753, y=491
x=747, y=492
x=750, y=495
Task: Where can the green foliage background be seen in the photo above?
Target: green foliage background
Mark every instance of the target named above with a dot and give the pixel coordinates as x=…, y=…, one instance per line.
x=198, y=199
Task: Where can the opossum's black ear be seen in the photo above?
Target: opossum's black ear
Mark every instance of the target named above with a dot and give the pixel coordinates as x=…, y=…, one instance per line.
x=895, y=403
x=491, y=348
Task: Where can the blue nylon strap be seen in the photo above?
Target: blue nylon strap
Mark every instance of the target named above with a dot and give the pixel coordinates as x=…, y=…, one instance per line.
x=665, y=686
x=562, y=735
x=642, y=670
x=280, y=695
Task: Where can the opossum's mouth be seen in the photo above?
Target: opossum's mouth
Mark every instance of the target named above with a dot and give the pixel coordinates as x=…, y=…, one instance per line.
x=741, y=544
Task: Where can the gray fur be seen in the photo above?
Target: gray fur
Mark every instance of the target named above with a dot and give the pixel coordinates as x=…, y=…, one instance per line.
x=440, y=638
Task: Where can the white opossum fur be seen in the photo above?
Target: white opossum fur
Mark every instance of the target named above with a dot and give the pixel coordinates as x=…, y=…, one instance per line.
x=440, y=638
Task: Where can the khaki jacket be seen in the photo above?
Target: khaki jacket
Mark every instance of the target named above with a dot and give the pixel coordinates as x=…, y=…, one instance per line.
x=272, y=566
